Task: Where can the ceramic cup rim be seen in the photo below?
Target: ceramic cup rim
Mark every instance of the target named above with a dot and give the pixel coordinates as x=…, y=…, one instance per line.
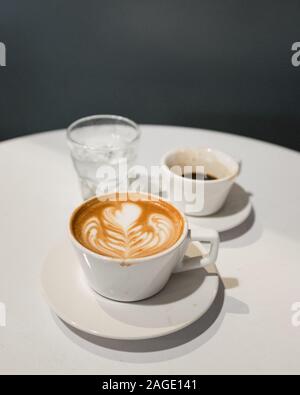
x=130, y=260
x=207, y=149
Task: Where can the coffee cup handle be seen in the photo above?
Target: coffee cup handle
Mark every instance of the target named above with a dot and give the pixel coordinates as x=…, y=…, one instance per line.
x=201, y=235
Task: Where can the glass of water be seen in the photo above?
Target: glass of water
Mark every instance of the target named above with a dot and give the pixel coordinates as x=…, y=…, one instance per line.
x=98, y=141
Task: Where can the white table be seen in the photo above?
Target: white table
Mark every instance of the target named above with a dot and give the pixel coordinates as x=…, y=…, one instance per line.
x=250, y=331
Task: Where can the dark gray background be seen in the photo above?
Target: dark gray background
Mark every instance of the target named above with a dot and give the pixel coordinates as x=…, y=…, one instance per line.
x=222, y=65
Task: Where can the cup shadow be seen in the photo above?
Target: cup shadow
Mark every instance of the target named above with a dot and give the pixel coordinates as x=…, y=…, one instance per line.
x=180, y=286
x=185, y=297
x=238, y=199
x=236, y=218
x=239, y=205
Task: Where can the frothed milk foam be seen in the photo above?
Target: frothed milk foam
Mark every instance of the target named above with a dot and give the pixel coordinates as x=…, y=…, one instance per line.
x=127, y=228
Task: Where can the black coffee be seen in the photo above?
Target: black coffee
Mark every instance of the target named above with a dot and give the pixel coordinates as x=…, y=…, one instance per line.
x=199, y=176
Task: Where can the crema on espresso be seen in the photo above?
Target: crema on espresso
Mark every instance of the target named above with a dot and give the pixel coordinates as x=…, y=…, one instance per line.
x=128, y=227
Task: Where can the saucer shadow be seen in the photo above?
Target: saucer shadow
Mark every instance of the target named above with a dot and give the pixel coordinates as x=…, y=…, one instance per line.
x=247, y=233
x=238, y=199
x=239, y=230
x=238, y=204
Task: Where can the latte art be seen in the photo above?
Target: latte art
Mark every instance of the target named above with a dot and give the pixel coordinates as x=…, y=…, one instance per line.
x=127, y=229
x=120, y=236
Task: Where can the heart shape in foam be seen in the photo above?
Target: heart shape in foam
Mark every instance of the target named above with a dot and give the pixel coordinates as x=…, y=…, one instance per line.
x=127, y=215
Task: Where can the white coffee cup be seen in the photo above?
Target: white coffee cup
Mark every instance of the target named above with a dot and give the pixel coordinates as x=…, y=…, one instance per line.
x=139, y=278
x=196, y=197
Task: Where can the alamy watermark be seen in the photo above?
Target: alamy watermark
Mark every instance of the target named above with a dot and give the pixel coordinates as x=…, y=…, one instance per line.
x=2, y=314
x=2, y=55
x=296, y=55
x=176, y=183
x=296, y=314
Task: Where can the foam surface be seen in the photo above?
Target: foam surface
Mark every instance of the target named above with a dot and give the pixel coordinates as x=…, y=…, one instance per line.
x=127, y=229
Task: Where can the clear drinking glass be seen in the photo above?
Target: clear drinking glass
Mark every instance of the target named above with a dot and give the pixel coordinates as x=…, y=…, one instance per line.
x=101, y=140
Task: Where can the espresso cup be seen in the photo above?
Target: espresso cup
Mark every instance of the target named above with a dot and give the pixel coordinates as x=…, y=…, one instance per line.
x=138, y=278
x=199, y=197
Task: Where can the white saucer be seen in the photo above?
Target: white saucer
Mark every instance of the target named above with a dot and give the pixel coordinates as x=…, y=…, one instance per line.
x=185, y=299
x=235, y=211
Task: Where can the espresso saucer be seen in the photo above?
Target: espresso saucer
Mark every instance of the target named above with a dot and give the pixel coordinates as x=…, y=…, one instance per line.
x=235, y=211
x=186, y=298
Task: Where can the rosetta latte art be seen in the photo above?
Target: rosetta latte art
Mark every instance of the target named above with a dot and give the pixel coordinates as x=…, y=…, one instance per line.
x=126, y=232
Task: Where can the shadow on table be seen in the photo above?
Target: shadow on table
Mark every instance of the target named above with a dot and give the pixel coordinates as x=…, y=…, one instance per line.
x=171, y=346
x=237, y=202
x=247, y=233
x=238, y=216
x=250, y=230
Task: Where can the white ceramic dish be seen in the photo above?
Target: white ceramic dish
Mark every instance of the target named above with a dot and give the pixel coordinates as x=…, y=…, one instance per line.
x=186, y=298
